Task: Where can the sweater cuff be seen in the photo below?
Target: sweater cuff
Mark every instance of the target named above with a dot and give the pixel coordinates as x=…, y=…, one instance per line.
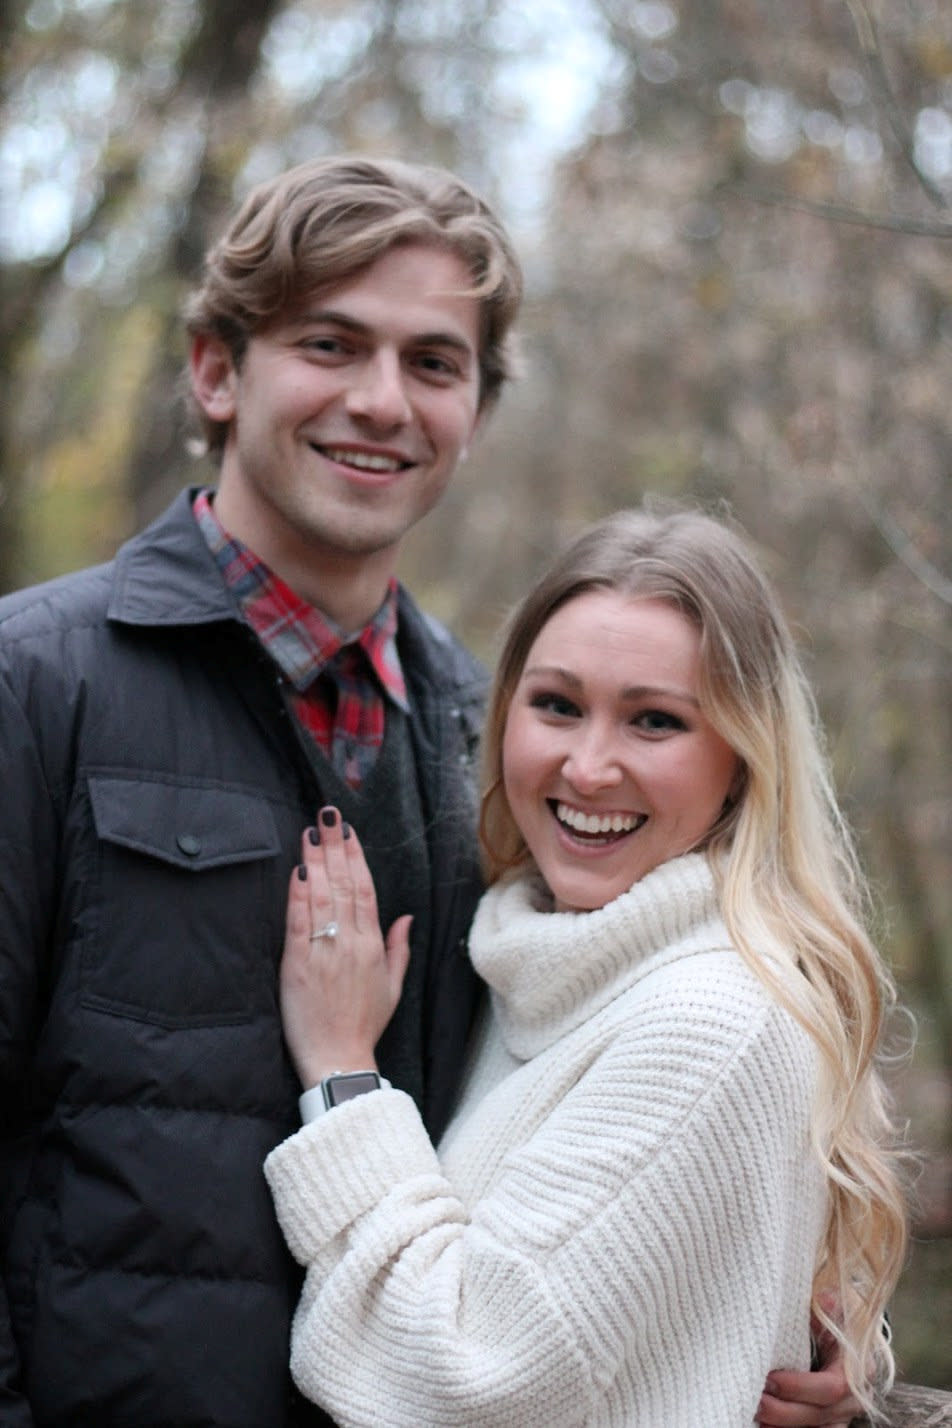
x=338, y=1167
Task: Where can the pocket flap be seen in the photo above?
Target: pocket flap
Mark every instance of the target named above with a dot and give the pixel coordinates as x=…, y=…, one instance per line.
x=186, y=824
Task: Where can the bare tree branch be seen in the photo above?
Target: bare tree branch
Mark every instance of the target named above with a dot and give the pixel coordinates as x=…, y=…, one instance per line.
x=837, y=212
x=915, y=624
x=903, y=547
x=872, y=50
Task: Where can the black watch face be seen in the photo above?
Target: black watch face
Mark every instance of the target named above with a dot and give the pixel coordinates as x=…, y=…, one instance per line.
x=338, y=1089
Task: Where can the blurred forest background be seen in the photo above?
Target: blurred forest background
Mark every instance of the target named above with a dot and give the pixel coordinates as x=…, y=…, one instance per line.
x=736, y=219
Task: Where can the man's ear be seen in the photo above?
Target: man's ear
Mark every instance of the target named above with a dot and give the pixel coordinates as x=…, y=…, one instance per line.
x=212, y=372
x=480, y=423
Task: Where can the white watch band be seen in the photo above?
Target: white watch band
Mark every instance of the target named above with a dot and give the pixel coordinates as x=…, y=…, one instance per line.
x=311, y=1102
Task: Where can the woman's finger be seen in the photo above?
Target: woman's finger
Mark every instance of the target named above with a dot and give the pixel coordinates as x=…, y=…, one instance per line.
x=398, y=954
x=320, y=899
x=298, y=926
x=365, y=896
x=336, y=864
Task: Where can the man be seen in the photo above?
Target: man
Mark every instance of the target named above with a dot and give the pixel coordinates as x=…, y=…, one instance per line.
x=169, y=724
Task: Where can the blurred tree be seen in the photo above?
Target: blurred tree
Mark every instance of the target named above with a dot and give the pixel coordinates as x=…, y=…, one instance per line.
x=740, y=290
x=213, y=92
x=757, y=252
x=129, y=132
x=99, y=150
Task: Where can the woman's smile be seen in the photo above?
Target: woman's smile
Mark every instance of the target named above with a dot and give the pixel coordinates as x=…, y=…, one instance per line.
x=610, y=767
x=598, y=828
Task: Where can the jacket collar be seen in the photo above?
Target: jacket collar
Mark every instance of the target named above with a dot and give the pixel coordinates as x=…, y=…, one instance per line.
x=428, y=650
x=166, y=575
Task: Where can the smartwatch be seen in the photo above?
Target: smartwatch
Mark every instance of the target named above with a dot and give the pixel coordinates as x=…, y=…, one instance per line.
x=335, y=1089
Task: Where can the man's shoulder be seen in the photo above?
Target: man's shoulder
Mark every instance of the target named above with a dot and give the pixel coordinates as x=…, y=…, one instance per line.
x=461, y=663
x=427, y=647
x=78, y=598
x=163, y=575
x=83, y=597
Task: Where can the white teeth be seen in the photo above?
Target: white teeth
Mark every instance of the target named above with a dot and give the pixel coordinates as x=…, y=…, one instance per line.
x=598, y=823
x=364, y=460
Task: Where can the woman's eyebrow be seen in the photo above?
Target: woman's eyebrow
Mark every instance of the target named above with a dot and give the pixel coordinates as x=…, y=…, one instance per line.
x=631, y=691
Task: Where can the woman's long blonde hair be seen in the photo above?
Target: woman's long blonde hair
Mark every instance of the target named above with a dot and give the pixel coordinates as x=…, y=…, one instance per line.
x=791, y=891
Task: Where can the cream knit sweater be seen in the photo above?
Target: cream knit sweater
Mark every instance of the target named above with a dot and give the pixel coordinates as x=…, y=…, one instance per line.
x=621, y=1224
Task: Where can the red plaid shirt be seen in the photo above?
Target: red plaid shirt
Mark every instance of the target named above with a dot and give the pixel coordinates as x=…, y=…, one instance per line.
x=337, y=683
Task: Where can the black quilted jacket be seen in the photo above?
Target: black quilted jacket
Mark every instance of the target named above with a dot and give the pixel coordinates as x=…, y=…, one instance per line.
x=153, y=790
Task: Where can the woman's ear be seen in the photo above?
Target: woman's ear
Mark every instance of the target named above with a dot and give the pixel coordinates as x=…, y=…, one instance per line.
x=213, y=375
x=738, y=785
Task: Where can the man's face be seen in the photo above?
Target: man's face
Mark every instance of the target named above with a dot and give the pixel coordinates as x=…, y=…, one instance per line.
x=348, y=417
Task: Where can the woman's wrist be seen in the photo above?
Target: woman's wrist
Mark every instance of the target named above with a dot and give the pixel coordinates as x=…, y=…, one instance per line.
x=315, y=1069
x=336, y=1089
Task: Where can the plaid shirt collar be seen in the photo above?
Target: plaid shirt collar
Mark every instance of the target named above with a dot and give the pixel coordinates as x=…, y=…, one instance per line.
x=298, y=637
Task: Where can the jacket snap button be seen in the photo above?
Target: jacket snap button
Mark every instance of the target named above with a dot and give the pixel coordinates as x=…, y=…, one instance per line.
x=189, y=844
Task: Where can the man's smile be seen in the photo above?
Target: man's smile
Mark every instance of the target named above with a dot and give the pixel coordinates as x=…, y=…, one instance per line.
x=362, y=460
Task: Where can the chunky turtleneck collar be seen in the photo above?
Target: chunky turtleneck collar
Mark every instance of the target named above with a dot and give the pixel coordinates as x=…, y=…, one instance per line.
x=550, y=971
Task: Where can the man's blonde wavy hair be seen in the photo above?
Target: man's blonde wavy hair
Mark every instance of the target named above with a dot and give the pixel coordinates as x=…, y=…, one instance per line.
x=791, y=890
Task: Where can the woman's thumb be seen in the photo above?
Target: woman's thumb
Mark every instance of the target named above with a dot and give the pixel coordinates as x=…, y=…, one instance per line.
x=398, y=949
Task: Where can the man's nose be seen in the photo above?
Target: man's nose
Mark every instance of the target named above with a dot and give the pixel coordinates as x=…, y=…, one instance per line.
x=378, y=393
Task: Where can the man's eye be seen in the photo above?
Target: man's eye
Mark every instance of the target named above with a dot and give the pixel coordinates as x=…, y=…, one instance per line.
x=554, y=704
x=435, y=365
x=658, y=721
x=332, y=346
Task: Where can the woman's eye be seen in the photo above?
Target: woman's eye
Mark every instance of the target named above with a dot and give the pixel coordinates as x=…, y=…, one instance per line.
x=658, y=721
x=554, y=704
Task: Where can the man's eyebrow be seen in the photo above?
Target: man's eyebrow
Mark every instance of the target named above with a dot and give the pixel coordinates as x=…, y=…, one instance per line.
x=631, y=691
x=352, y=324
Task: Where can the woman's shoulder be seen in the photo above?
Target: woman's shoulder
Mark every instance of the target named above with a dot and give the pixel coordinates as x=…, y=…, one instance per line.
x=707, y=966
x=698, y=1043
x=705, y=1005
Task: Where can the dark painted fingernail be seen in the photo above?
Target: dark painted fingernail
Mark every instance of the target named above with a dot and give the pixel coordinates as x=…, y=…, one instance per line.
x=328, y=817
x=313, y=837
x=302, y=872
x=346, y=830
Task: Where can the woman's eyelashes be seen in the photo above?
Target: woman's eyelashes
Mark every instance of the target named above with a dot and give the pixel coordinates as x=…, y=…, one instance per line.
x=648, y=721
x=548, y=702
x=658, y=721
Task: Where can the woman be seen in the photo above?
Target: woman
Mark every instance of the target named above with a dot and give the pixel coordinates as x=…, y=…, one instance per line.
x=672, y=1145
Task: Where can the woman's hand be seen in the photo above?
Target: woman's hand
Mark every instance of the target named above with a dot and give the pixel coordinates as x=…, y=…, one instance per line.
x=340, y=989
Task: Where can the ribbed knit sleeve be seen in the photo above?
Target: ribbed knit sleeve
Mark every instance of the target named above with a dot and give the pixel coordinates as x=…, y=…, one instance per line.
x=622, y=1232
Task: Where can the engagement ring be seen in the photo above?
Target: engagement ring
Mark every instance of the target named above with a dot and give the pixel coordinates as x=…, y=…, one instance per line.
x=328, y=930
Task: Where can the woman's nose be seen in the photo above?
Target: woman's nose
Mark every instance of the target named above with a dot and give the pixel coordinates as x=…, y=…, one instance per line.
x=591, y=763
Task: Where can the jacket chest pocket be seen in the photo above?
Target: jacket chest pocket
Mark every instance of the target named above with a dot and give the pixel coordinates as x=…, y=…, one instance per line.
x=176, y=931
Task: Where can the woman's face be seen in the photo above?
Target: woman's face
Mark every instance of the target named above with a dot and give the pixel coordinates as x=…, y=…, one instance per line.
x=609, y=766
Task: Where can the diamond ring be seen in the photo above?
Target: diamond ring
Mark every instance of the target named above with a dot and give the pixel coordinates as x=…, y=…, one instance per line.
x=328, y=930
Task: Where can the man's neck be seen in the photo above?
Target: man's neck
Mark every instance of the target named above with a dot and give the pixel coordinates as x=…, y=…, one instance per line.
x=347, y=587
x=346, y=592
